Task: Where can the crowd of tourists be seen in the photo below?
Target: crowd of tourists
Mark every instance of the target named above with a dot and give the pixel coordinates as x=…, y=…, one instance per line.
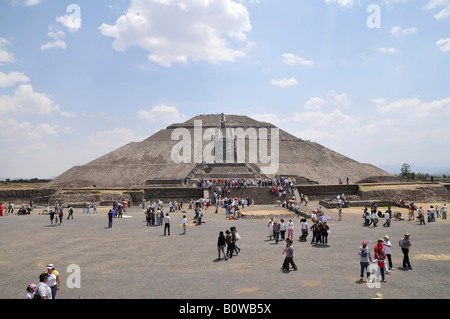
x=157, y=213
x=237, y=183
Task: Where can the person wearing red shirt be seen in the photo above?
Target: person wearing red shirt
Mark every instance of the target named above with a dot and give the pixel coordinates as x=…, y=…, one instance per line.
x=380, y=255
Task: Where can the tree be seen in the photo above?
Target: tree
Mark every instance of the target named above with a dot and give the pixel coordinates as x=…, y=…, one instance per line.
x=405, y=171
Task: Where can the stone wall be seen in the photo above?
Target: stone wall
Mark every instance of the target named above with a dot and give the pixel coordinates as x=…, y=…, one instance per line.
x=38, y=196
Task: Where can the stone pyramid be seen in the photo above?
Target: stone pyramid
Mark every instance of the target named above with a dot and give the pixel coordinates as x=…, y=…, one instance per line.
x=213, y=146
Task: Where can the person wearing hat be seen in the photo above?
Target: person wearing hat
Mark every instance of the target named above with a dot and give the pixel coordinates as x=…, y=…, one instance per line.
x=364, y=259
x=405, y=244
x=42, y=290
x=30, y=291
x=53, y=280
x=380, y=256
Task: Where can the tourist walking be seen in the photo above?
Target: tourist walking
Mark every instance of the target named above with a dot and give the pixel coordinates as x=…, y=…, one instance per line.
x=43, y=291
x=373, y=218
x=290, y=229
x=364, y=260
x=317, y=232
x=325, y=231
x=70, y=213
x=387, y=247
x=184, y=223
x=387, y=217
x=53, y=280
x=229, y=241
x=289, y=259
x=282, y=229
x=110, y=218
x=221, y=245
x=304, y=229
x=167, y=224
x=421, y=216
x=431, y=215
x=270, y=226
x=405, y=244
x=366, y=217
x=235, y=236
x=276, y=231
x=444, y=211
x=61, y=215
x=52, y=217
x=380, y=256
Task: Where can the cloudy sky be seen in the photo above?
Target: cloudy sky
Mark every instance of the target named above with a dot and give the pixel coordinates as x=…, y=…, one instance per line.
x=368, y=78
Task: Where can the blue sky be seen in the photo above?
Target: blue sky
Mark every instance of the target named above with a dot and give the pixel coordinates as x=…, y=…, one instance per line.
x=80, y=78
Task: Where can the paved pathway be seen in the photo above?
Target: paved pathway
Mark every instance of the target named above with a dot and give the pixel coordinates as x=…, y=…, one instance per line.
x=132, y=260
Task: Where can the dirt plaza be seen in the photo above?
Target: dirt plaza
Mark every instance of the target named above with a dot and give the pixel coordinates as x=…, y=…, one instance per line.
x=136, y=261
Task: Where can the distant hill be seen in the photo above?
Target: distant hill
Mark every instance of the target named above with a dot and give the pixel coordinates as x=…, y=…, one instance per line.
x=435, y=169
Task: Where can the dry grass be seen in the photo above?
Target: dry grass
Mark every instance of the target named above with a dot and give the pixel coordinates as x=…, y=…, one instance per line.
x=21, y=186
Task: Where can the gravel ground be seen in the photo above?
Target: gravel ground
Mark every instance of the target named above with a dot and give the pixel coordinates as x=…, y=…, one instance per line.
x=135, y=261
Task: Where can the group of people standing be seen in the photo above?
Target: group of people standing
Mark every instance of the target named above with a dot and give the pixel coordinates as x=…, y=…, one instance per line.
x=277, y=230
x=49, y=284
x=228, y=240
x=383, y=256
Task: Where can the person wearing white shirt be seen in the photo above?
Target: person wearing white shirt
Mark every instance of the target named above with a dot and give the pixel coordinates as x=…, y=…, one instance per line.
x=387, y=248
x=282, y=229
x=387, y=216
x=166, y=224
x=184, y=223
x=290, y=229
x=43, y=291
x=304, y=226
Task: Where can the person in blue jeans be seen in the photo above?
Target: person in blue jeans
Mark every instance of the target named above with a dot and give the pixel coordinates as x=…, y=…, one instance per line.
x=364, y=260
x=276, y=231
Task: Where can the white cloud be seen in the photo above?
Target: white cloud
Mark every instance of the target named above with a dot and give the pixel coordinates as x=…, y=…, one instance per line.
x=399, y=31
x=322, y=119
x=387, y=50
x=54, y=44
x=13, y=77
x=291, y=59
x=161, y=114
x=346, y=4
x=197, y=30
x=444, y=44
x=14, y=132
x=284, y=83
x=57, y=36
x=28, y=3
x=32, y=2
x=333, y=99
x=5, y=56
x=314, y=103
x=414, y=108
x=444, y=13
x=26, y=101
x=432, y=4
x=70, y=21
